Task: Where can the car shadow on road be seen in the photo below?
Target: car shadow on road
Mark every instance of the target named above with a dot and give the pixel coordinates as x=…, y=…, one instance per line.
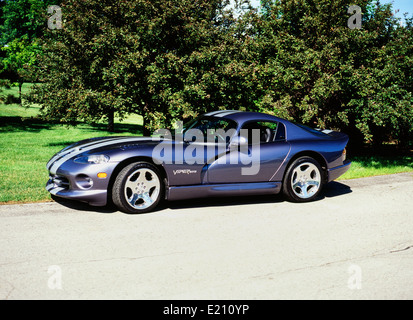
x=82, y=206
x=331, y=190
x=221, y=202
x=335, y=189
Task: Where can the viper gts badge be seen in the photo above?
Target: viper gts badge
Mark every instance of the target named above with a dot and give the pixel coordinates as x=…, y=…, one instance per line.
x=186, y=171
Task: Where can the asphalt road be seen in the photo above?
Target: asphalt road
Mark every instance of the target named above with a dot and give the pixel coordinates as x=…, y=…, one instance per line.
x=354, y=243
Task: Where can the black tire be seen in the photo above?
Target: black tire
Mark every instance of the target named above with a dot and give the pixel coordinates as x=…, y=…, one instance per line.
x=138, y=188
x=301, y=178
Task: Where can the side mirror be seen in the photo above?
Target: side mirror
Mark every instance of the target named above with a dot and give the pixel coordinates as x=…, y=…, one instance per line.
x=237, y=142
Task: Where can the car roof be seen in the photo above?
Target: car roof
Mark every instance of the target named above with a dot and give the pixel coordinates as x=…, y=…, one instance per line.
x=244, y=116
x=293, y=131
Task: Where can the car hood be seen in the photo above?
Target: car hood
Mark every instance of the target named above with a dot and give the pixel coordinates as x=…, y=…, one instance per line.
x=97, y=145
x=90, y=146
x=105, y=143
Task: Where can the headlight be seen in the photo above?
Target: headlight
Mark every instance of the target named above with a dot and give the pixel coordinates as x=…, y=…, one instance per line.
x=92, y=159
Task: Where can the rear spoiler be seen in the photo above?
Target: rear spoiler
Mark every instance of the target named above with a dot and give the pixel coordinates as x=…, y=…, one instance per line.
x=334, y=134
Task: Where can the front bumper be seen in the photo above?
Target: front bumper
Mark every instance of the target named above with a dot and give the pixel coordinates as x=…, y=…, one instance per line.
x=336, y=172
x=81, y=182
x=92, y=197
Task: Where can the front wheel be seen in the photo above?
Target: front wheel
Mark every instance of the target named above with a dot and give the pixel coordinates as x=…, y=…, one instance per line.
x=304, y=180
x=138, y=188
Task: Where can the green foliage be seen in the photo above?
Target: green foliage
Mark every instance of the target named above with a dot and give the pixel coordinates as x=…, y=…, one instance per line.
x=324, y=74
x=20, y=54
x=121, y=56
x=170, y=59
x=22, y=23
x=23, y=18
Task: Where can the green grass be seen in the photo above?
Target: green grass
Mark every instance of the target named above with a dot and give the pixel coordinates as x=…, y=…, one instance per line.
x=368, y=166
x=27, y=143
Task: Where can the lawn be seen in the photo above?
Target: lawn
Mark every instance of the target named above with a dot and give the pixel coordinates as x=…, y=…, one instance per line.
x=368, y=166
x=27, y=143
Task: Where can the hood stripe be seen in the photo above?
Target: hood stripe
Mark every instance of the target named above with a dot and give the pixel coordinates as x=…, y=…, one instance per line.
x=62, y=154
x=66, y=157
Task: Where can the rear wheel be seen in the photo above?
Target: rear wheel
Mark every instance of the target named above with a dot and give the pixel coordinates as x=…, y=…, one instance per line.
x=138, y=188
x=304, y=180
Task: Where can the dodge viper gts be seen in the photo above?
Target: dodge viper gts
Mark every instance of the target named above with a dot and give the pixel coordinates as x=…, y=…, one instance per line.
x=221, y=153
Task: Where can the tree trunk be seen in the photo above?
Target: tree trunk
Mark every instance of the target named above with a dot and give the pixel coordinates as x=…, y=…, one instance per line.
x=145, y=130
x=20, y=91
x=111, y=121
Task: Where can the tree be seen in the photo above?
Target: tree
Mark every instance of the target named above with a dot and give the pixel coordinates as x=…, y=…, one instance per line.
x=169, y=59
x=133, y=56
x=23, y=18
x=22, y=22
x=316, y=70
x=20, y=55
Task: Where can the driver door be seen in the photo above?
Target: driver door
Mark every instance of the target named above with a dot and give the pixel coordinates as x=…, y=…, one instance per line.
x=261, y=153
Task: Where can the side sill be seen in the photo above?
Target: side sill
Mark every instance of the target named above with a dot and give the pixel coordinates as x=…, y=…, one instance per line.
x=222, y=190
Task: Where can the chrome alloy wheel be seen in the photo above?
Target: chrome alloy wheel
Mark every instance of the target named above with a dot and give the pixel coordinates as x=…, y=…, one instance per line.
x=305, y=180
x=142, y=188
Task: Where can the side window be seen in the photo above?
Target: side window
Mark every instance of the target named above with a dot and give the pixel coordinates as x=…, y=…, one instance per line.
x=263, y=131
x=280, y=134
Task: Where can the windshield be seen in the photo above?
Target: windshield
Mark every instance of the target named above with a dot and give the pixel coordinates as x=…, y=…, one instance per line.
x=209, y=124
x=213, y=129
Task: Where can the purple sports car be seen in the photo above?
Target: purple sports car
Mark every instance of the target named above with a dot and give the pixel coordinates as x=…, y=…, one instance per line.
x=221, y=153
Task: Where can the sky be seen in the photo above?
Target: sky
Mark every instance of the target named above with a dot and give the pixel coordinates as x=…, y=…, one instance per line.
x=402, y=5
